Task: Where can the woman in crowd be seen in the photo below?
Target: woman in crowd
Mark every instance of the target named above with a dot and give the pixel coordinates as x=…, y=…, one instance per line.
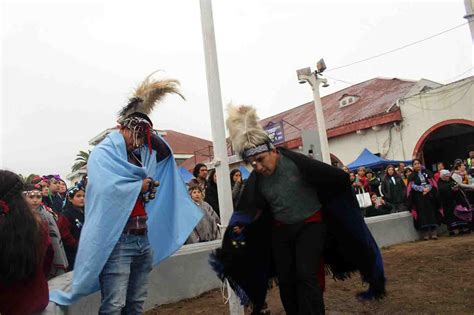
x=378, y=207
x=374, y=182
x=361, y=180
x=62, y=189
x=393, y=189
x=33, y=196
x=208, y=228
x=237, y=185
x=211, y=196
x=355, y=187
x=407, y=173
x=461, y=176
x=455, y=205
x=25, y=252
x=423, y=201
x=439, y=167
x=72, y=220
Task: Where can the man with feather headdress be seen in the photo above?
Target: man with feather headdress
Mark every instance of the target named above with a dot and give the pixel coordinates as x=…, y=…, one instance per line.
x=123, y=237
x=295, y=215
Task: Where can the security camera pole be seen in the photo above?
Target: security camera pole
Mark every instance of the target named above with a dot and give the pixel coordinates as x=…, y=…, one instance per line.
x=314, y=79
x=218, y=129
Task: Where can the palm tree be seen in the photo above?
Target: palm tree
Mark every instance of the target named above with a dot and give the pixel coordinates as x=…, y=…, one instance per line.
x=81, y=160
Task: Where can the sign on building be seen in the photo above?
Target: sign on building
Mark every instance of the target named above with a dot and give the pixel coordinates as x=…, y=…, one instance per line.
x=275, y=132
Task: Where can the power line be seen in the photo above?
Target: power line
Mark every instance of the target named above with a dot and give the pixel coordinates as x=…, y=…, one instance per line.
x=459, y=75
x=397, y=49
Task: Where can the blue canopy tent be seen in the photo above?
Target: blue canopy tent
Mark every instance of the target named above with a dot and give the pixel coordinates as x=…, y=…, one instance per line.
x=185, y=174
x=368, y=159
x=245, y=173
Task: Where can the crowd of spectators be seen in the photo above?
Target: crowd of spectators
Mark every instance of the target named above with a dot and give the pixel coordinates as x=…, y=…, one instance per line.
x=443, y=197
x=45, y=217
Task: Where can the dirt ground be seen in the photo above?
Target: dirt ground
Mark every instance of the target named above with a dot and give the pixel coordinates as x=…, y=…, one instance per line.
x=424, y=277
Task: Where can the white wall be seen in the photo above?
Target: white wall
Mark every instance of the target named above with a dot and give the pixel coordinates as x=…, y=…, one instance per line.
x=348, y=147
x=421, y=111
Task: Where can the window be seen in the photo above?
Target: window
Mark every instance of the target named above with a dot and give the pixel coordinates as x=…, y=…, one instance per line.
x=347, y=100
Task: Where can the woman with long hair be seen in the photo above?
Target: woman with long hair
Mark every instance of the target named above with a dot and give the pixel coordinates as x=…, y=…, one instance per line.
x=51, y=220
x=25, y=256
x=423, y=201
x=237, y=185
x=393, y=189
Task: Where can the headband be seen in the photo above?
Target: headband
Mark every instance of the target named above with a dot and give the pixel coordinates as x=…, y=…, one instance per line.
x=261, y=148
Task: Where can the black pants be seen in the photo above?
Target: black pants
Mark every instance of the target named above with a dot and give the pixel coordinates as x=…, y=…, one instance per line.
x=297, y=250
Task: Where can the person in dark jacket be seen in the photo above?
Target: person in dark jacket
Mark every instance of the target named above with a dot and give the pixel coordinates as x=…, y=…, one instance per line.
x=378, y=207
x=54, y=199
x=236, y=184
x=423, y=201
x=394, y=190
x=374, y=182
x=211, y=196
x=285, y=218
x=72, y=220
x=200, y=173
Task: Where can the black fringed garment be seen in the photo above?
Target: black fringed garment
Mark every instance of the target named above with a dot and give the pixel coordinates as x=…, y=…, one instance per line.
x=245, y=260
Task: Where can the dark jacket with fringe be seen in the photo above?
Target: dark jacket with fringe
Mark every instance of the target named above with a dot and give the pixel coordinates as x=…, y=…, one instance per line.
x=245, y=260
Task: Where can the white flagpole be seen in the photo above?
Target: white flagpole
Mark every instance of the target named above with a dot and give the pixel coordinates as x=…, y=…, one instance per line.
x=218, y=129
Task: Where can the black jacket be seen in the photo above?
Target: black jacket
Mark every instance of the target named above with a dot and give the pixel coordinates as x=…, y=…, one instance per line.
x=394, y=193
x=349, y=245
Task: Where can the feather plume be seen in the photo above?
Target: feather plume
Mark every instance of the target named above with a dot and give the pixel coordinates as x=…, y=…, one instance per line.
x=148, y=94
x=244, y=130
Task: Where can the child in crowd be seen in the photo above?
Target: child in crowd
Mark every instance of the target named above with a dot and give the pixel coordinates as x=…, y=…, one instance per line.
x=33, y=197
x=72, y=220
x=54, y=200
x=207, y=229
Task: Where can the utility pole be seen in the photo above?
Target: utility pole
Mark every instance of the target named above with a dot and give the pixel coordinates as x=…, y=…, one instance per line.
x=218, y=129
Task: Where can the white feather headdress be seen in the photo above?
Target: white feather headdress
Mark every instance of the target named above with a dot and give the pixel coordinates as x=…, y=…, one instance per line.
x=244, y=130
x=148, y=94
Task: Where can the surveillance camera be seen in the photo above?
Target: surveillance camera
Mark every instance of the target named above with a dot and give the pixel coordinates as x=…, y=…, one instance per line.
x=320, y=66
x=324, y=81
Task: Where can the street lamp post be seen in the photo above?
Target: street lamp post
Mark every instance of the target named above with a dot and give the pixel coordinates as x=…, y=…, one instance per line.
x=314, y=79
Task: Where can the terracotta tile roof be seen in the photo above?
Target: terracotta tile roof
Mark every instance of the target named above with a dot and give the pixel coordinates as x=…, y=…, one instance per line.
x=374, y=106
x=192, y=161
x=185, y=144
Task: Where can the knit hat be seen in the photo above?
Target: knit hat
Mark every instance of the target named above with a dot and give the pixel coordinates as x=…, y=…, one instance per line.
x=444, y=173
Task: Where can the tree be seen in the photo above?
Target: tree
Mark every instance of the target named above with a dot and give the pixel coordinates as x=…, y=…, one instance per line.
x=81, y=160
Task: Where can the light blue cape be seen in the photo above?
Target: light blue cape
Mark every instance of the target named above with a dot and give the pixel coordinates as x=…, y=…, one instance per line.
x=113, y=187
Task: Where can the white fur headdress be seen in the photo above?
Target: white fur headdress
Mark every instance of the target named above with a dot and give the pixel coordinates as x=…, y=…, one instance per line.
x=246, y=134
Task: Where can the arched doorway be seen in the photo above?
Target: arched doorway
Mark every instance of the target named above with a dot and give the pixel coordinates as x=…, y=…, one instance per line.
x=445, y=142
